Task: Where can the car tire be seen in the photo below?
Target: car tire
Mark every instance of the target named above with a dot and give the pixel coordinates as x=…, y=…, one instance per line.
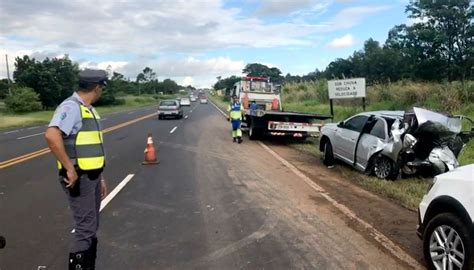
x=328, y=156
x=160, y=117
x=450, y=224
x=385, y=168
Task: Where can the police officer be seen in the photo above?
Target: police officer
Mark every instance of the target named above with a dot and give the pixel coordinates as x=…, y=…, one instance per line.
x=75, y=138
x=235, y=117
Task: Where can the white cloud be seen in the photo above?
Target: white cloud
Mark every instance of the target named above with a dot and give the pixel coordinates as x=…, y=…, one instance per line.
x=187, y=81
x=278, y=7
x=135, y=27
x=352, y=16
x=342, y=42
x=194, y=71
x=161, y=34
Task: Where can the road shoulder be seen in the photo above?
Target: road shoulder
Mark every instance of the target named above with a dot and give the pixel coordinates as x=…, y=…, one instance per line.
x=394, y=221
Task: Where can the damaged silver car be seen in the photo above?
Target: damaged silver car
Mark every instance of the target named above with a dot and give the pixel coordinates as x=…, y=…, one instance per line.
x=387, y=143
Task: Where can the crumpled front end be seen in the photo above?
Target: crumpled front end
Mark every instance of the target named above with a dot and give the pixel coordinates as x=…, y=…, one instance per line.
x=430, y=140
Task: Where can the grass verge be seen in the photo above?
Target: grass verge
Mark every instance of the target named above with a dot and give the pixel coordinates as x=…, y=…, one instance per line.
x=407, y=192
x=11, y=120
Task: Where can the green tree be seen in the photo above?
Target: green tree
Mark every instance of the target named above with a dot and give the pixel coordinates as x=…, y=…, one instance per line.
x=53, y=79
x=448, y=25
x=226, y=83
x=168, y=86
x=259, y=70
x=23, y=99
x=4, y=86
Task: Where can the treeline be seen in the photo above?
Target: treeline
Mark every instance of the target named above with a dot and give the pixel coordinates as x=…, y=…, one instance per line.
x=44, y=84
x=438, y=47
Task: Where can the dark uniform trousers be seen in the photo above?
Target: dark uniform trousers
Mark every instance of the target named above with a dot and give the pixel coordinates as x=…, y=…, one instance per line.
x=84, y=201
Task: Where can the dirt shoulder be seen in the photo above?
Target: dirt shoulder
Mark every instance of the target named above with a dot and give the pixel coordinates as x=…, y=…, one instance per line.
x=394, y=221
x=390, y=218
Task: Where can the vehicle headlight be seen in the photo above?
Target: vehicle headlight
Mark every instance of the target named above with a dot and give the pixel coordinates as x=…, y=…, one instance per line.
x=409, y=141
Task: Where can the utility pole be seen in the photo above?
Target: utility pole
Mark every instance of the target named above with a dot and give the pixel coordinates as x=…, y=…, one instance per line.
x=8, y=76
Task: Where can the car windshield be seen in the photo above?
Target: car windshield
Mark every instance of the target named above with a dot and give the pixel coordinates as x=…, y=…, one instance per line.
x=167, y=103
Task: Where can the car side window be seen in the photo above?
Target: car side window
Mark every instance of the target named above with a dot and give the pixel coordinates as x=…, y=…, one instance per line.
x=356, y=123
x=378, y=130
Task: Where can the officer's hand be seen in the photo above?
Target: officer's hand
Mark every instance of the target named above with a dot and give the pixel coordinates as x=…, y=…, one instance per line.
x=71, y=178
x=103, y=188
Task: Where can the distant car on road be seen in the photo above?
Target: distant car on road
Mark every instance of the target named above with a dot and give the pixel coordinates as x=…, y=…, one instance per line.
x=445, y=217
x=203, y=100
x=185, y=102
x=193, y=98
x=169, y=108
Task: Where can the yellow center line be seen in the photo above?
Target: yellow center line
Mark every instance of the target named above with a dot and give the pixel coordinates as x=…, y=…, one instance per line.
x=13, y=161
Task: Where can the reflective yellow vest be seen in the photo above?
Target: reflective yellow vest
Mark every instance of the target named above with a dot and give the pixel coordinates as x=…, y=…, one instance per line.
x=86, y=148
x=235, y=110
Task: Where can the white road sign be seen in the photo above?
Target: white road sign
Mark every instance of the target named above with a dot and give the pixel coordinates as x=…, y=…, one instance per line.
x=349, y=88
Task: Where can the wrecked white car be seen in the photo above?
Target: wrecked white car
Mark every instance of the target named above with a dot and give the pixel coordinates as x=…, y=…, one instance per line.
x=386, y=143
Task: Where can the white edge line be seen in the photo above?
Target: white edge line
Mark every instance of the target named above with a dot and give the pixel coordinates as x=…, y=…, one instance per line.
x=393, y=248
x=13, y=131
x=114, y=192
x=223, y=113
x=32, y=127
x=186, y=117
x=24, y=137
x=173, y=130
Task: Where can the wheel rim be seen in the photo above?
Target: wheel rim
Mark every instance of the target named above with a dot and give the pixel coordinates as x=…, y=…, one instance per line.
x=446, y=248
x=382, y=170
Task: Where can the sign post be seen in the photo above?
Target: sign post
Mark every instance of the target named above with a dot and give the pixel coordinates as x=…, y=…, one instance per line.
x=347, y=88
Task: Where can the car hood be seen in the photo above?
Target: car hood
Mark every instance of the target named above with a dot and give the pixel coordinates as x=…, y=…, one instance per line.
x=432, y=122
x=464, y=173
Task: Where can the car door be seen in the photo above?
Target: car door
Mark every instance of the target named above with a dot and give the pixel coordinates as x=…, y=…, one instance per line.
x=371, y=141
x=346, y=137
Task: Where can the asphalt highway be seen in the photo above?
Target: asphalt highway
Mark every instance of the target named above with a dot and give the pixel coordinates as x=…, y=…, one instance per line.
x=209, y=204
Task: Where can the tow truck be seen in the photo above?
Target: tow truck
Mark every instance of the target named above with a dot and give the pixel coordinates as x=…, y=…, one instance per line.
x=267, y=117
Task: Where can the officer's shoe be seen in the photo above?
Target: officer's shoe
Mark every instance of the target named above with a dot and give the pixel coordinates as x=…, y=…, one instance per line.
x=234, y=139
x=239, y=140
x=79, y=261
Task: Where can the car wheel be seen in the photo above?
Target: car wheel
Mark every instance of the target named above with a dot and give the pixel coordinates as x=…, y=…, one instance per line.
x=447, y=243
x=385, y=168
x=328, y=156
x=160, y=117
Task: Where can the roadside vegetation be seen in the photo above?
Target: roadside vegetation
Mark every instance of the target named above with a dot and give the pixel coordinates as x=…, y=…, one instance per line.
x=10, y=119
x=39, y=86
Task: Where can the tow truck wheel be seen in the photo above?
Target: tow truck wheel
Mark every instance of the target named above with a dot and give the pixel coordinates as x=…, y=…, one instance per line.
x=253, y=132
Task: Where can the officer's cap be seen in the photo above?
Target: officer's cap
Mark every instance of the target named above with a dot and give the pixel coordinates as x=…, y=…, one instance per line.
x=98, y=76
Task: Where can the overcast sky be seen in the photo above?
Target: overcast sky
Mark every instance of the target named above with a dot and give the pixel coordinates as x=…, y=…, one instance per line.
x=194, y=41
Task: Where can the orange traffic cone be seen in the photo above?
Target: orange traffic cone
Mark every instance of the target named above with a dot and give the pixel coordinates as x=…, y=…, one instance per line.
x=150, y=155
